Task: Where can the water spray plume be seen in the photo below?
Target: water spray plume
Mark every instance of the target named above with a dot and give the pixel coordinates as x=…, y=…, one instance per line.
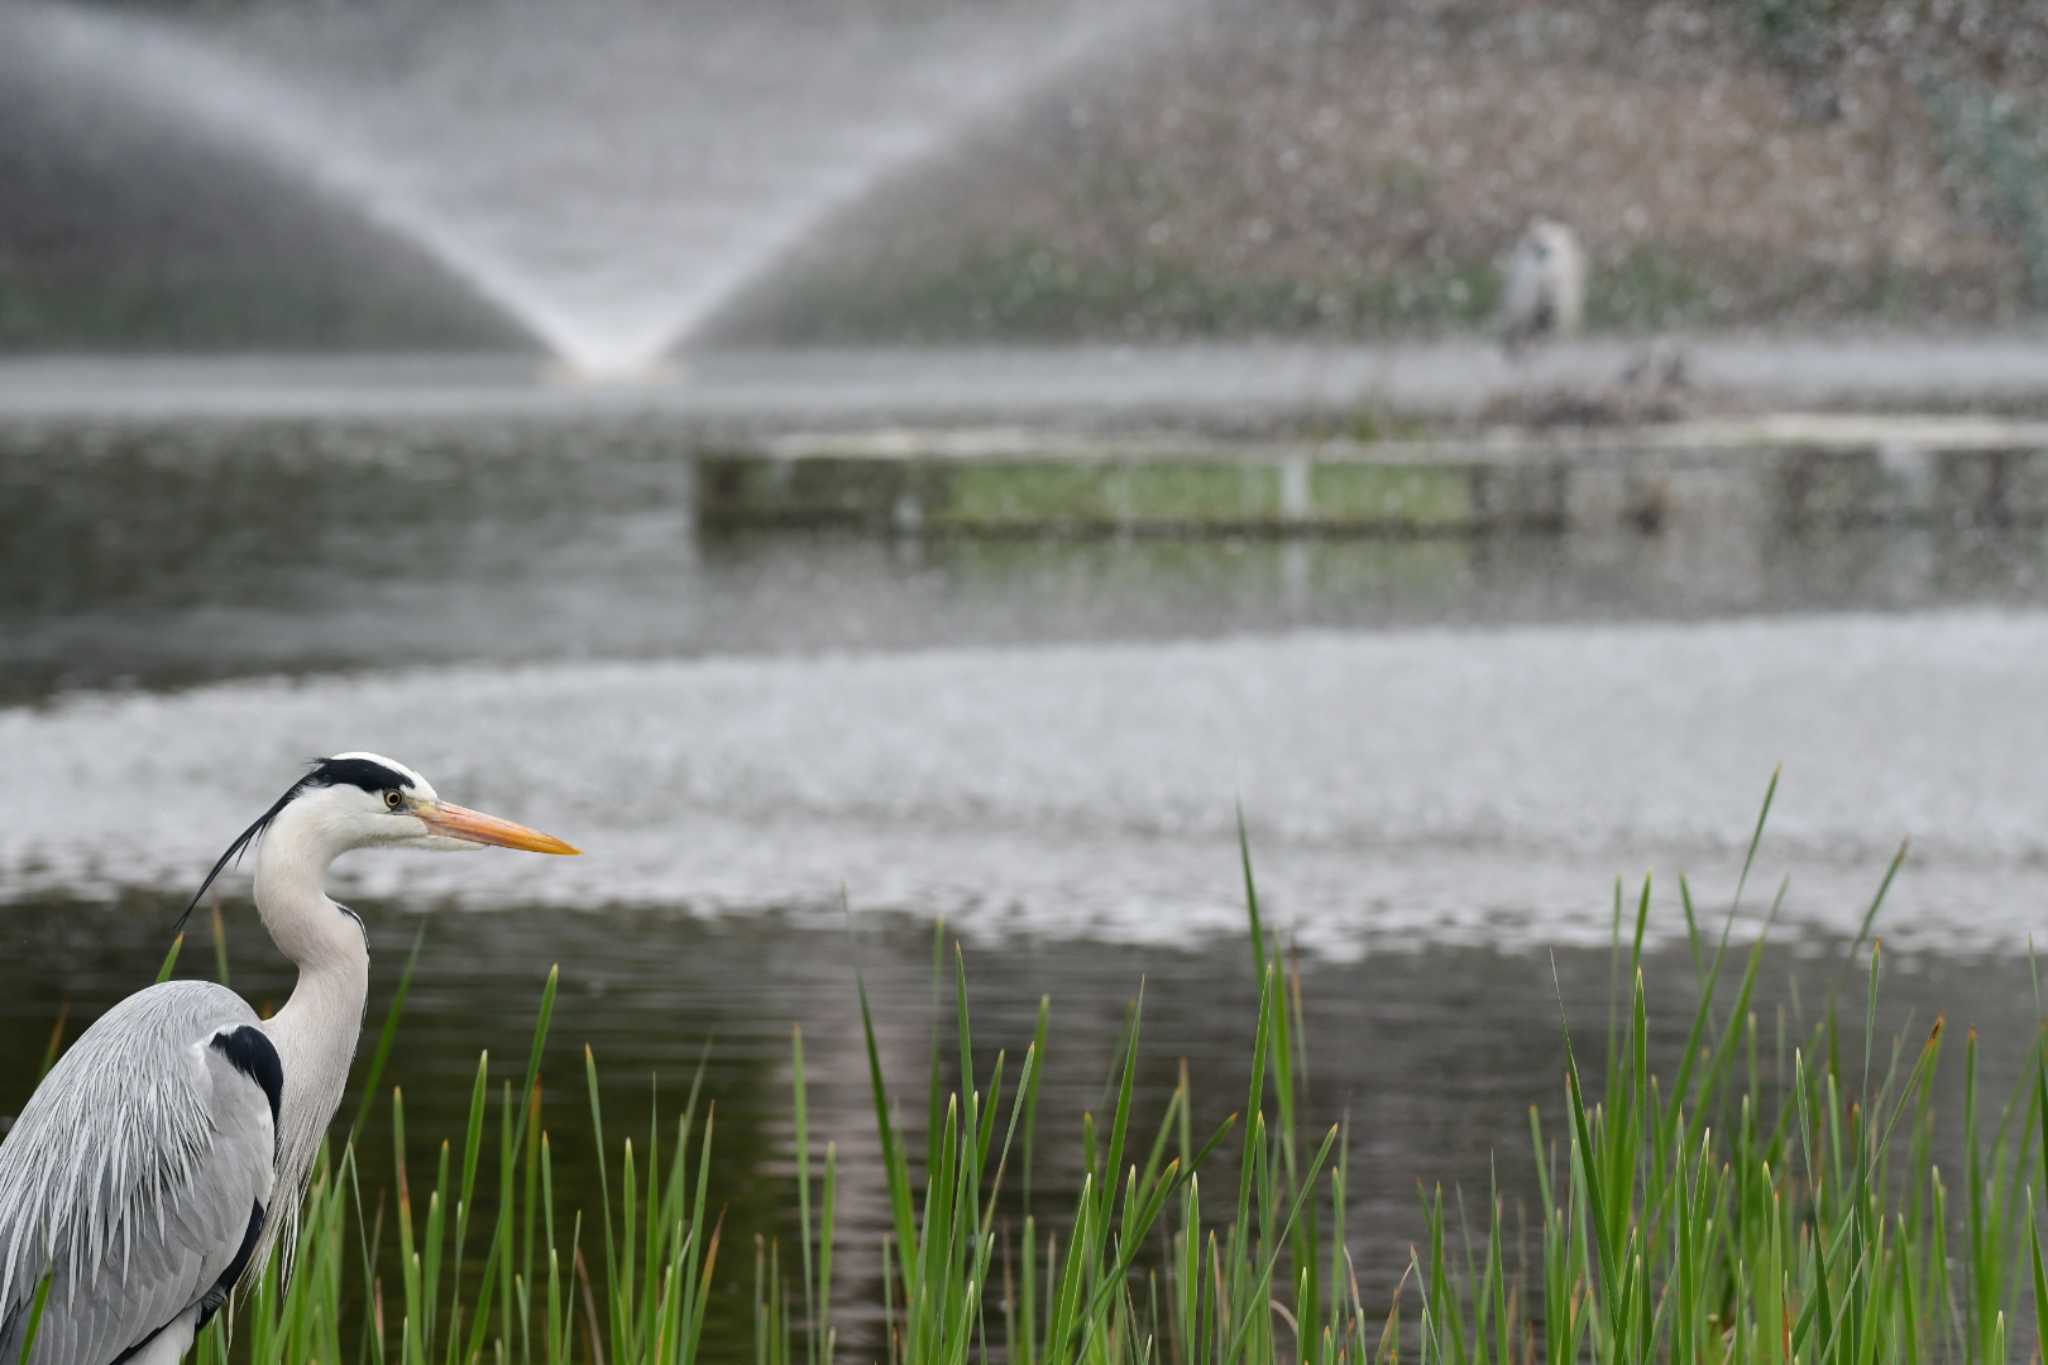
x=608, y=173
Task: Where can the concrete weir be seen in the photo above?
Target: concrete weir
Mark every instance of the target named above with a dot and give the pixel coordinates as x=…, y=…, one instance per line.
x=1799, y=471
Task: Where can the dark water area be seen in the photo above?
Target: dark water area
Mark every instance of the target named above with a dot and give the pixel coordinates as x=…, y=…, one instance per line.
x=1434, y=1057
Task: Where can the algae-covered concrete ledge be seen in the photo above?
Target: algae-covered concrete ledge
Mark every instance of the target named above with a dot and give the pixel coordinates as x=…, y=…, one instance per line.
x=1801, y=470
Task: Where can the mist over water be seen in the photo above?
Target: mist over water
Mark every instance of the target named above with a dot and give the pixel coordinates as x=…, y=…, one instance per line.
x=607, y=172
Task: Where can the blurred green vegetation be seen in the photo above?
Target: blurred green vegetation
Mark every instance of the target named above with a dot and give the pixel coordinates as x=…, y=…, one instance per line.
x=1998, y=138
x=1033, y=290
x=226, y=304
x=1027, y=288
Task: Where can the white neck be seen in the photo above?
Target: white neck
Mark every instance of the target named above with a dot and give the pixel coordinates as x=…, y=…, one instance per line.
x=316, y=1031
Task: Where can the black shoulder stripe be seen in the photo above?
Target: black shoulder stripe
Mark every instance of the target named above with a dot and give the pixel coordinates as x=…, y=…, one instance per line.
x=210, y=1302
x=250, y=1051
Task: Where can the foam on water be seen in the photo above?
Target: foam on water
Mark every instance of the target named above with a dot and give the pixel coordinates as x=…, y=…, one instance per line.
x=609, y=172
x=1402, y=787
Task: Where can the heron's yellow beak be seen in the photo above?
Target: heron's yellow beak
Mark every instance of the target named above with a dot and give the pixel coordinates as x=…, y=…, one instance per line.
x=460, y=822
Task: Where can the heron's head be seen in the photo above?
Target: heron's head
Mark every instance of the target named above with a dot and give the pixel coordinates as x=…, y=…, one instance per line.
x=364, y=800
x=367, y=801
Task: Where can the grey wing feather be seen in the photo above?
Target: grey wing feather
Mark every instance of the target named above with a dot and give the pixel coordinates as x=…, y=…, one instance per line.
x=130, y=1177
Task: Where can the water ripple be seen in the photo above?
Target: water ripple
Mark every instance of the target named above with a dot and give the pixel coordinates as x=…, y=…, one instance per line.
x=1435, y=785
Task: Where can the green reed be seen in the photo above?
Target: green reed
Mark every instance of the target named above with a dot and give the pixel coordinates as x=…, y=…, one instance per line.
x=1771, y=1197
x=1743, y=1211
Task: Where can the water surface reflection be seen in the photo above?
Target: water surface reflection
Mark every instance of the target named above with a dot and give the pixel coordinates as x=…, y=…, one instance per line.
x=167, y=555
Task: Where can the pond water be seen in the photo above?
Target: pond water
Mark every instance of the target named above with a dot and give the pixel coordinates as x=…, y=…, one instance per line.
x=789, y=754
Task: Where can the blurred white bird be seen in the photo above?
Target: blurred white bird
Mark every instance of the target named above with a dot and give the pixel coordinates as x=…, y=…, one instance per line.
x=1543, y=290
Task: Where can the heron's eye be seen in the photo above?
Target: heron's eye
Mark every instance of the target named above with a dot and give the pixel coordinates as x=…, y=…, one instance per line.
x=393, y=799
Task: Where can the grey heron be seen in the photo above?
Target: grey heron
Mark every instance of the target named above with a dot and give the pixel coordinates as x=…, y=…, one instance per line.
x=1543, y=293
x=166, y=1153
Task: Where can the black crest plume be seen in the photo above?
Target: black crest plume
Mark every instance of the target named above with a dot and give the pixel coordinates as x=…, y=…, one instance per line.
x=242, y=842
x=323, y=772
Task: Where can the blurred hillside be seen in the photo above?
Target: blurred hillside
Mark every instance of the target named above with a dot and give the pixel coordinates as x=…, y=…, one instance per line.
x=1324, y=168
x=1339, y=167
